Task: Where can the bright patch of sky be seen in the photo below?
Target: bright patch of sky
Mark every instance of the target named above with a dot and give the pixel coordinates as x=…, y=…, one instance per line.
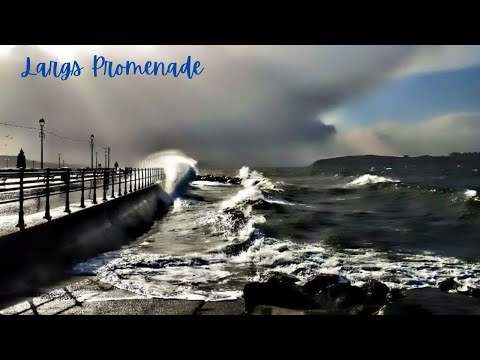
x=414, y=98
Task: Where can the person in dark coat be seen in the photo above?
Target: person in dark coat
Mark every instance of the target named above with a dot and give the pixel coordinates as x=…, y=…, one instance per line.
x=116, y=165
x=21, y=160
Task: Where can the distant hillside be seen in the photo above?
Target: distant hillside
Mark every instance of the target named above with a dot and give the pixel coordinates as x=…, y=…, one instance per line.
x=368, y=163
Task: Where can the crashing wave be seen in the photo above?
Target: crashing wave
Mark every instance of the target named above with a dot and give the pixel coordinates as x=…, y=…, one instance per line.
x=471, y=195
x=371, y=179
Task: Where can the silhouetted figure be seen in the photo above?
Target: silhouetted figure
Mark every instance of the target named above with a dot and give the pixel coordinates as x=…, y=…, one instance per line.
x=116, y=165
x=21, y=160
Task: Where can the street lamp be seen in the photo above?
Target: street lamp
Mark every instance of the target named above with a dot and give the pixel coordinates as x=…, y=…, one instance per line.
x=42, y=137
x=59, y=161
x=105, y=163
x=96, y=159
x=92, y=137
x=108, y=149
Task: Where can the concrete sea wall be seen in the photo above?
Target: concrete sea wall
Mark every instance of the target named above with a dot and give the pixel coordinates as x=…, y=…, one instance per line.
x=35, y=255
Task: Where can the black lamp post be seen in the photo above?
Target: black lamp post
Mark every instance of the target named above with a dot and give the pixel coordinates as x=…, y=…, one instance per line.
x=108, y=149
x=92, y=137
x=59, y=161
x=42, y=137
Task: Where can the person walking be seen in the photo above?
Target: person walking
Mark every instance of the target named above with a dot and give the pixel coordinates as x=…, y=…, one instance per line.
x=21, y=160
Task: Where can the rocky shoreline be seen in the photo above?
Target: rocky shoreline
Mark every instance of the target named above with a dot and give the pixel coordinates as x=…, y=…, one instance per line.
x=330, y=294
x=324, y=294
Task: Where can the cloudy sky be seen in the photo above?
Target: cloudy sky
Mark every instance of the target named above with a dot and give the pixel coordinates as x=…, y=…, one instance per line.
x=253, y=105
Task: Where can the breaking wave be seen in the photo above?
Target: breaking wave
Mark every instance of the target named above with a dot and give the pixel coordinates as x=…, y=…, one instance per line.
x=371, y=179
x=247, y=253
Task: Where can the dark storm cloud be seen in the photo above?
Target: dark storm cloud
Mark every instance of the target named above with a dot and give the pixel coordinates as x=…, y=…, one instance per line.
x=255, y=105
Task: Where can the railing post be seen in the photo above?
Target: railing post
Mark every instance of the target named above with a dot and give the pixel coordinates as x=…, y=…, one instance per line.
x=125, y=176
x=82, y=198
x=119, y=182
x=21, y=222
x=131, y=174
x=113, y=184
x=47, y=198
x=94, y=186
x=135, y=171
x=143, y=178
x=105, y=181
x=67, y=192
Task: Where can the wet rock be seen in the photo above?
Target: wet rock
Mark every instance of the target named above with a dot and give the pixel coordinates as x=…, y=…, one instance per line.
x=320, y=283
x=345, y=295
x=448, y=284
x=376, y=292
x=341, y=296
x=237, y=248
x=432, y=301
x=396, y=294
x=275, y=292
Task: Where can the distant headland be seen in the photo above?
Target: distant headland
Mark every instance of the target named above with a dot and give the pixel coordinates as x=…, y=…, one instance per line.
x=456, y=161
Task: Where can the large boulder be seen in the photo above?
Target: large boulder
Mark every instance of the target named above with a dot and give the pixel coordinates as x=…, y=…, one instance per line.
x=448, y=284
x=277, y=291
x=432, y=301
x=376, y=292
x=344, y=295
x=320, y=283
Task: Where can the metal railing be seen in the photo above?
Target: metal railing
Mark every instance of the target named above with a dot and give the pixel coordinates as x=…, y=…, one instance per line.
x=20, y=185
